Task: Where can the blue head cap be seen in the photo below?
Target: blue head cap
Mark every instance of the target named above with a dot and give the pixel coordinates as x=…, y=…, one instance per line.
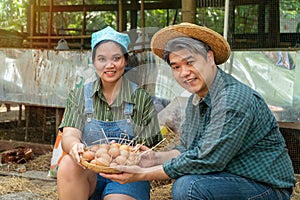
x=109, y=33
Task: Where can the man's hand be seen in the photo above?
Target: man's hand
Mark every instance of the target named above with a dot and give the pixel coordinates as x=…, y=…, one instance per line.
x=148, y=158
x=130, y=174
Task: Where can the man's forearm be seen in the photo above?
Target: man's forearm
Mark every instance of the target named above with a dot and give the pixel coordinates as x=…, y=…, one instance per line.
x=162, y=157
x=155, y=173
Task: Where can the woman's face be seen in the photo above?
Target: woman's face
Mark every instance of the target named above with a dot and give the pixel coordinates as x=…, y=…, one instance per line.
x=109, y=62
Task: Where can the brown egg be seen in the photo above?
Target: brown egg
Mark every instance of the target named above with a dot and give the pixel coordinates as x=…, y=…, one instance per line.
x=124, y=153
x=106, y=146
x=106, y=156
x=114, y=145
x=132, y=154
x=88, y=155
x=114, y=152
x=100, y=151
x=102, y=162
x=113, y=164
x=94, y=148
x=124, y=147
x=121, y=160
x=131, y=158
x=130, y=162
x=93, y=161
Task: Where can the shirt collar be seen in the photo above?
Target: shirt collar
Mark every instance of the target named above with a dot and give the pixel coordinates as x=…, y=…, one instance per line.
x=124, y=95
x=197, y=99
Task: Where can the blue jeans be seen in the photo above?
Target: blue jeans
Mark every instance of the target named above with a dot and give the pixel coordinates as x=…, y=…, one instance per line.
x=137, y=190
x=224, y=186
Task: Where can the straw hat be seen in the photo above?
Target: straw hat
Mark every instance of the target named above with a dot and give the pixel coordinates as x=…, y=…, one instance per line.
x=214, y=40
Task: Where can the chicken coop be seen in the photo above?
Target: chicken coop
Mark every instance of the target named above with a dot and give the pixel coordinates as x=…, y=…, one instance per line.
x=51, y=54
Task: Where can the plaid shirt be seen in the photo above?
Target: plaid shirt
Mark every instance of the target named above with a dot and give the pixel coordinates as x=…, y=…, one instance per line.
x=144, y=114
x=232, y=130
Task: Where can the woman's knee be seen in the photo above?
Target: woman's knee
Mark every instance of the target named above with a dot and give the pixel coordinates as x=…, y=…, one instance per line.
x=68, y=168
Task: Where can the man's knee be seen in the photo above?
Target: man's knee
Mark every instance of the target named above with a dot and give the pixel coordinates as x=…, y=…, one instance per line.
x=185, y=187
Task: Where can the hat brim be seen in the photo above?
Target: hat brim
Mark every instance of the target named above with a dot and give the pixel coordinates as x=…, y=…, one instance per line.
x=214, y=40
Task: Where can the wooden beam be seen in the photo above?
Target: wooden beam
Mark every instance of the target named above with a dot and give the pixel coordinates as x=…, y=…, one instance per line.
x=38, y=149
x=109, y=7
x=290, y=125
x=59, y=37
x=247, y=2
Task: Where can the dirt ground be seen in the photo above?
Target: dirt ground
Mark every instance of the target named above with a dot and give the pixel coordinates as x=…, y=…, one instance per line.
x=34, y=183
x=30, y=181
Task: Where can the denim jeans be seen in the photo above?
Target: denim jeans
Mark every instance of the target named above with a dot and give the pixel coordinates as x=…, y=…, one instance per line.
x=137, y=190
x=224, y=186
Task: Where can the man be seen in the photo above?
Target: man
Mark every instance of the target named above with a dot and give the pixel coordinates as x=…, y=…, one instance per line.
x=231, y=146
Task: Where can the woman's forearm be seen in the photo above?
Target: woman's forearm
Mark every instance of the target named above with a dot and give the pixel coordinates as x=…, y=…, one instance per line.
x=70, y=137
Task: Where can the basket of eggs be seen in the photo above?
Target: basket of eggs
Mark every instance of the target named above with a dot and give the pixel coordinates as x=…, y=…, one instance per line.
x=104, y=157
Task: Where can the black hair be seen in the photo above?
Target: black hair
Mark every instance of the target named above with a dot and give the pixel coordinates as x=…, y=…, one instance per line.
x=190, y=44
x=125, y=53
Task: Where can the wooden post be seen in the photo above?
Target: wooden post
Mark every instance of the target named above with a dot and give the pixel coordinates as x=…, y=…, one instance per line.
x=32, y=24
x=83, y=26
x=188, y=11
x=142, y=14
x=50, y=23
x=20, y=115
x=120, y=16
x=143, y=24
x=26, y=123
x=274, y=24
x=38, y=18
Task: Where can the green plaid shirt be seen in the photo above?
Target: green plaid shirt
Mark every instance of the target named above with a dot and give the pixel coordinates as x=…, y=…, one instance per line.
x=144, y=114
x=232, y=130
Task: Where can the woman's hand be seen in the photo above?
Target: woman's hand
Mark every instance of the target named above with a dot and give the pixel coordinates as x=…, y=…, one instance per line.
x=75, y=151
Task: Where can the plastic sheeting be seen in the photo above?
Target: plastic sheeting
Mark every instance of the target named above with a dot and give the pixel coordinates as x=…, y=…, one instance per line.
x=45, y=77
x=41, y=77
x=275, y=75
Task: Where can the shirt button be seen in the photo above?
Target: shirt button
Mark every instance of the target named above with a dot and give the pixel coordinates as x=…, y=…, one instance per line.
x=107, y=108
x=107, y=120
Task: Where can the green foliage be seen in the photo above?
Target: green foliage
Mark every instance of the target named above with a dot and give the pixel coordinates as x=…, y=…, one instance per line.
x=290, y=8
x=246, y=19
x=211, y=17
x=13, y=14
x=159, y=18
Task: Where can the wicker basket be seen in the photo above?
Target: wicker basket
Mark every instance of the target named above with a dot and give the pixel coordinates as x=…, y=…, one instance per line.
x=10, y=39
x=99, y=169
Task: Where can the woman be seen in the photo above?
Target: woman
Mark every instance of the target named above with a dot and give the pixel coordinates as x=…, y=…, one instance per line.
x=107, y=106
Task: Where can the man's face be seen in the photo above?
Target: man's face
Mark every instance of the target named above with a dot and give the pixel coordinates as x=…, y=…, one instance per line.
x=192, y=71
